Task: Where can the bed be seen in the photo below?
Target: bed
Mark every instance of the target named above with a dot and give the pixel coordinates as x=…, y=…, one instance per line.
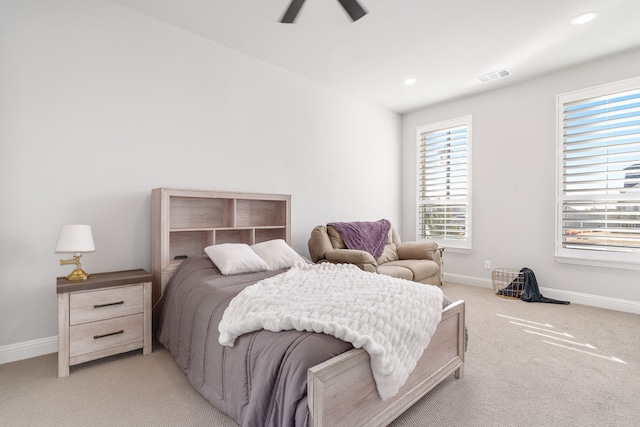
x=258, y=384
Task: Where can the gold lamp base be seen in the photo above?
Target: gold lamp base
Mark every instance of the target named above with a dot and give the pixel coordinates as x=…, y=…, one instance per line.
x=78, y=273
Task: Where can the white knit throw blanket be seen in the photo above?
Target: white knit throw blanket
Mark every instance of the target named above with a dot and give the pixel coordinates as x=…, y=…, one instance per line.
x=392, y=319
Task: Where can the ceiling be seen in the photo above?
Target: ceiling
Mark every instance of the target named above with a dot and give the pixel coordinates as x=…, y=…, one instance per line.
x=444, y=44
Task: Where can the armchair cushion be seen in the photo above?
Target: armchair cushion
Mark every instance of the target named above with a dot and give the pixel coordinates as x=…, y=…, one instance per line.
x=419, y=267
x=395, y=271
x=389, y=254
x=335, y=239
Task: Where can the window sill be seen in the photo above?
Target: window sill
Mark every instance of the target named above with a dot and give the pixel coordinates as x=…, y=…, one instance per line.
x=454, y=249
x=565, y=259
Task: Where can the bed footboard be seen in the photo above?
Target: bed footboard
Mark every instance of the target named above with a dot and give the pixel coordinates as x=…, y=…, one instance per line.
x=342, y=392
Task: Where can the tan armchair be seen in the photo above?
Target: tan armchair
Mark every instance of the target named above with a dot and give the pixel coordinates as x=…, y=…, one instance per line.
x=417, y=261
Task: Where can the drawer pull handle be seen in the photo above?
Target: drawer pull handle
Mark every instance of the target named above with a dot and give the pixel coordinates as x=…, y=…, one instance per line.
x=121, y=331
x=108, y=304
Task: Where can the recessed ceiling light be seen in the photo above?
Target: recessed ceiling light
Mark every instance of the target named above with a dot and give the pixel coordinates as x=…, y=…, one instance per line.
x=410, y=81
x=584, y=18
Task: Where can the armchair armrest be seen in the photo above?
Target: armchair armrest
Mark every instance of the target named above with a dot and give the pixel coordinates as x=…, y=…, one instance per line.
x=418, y=250
x=319, y=243
x=351, y=256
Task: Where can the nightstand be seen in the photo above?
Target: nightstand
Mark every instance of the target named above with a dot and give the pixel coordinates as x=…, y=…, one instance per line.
x=107, y=314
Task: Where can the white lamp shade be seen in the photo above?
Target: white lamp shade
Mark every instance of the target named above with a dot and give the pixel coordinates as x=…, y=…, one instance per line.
x=75, y=238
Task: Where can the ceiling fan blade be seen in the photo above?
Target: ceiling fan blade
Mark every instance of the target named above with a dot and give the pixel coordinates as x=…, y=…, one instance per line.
x=353, y=8
x=292, y=12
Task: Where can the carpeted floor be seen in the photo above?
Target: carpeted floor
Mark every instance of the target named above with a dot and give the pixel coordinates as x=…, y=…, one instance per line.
x=527, y=364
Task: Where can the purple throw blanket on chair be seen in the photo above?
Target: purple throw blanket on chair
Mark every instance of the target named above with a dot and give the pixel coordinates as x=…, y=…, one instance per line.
x=363, y=235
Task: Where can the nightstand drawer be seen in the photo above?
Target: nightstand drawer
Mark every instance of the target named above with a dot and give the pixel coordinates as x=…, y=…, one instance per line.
x=97, y=336
x=105, y=304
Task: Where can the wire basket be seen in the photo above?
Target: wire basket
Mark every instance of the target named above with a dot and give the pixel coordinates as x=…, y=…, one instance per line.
x=507, y=282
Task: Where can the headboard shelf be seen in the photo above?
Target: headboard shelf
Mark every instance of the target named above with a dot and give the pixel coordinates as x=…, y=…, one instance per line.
x=194, y=212
x=184, y=222
x=245, y=227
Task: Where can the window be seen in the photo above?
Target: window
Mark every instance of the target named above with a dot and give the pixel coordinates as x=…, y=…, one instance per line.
x=444, y=183
x=598, y=157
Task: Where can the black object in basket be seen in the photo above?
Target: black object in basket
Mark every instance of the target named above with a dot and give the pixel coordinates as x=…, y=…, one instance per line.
x=508, y=282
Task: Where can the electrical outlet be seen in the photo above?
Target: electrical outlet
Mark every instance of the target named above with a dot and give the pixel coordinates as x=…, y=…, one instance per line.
x=487, y=265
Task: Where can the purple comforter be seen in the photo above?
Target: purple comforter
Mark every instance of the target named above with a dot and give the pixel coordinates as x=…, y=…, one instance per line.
x=262, y=380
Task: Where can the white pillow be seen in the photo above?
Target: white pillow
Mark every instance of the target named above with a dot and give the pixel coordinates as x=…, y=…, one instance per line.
x=235, y=258
x=277, y=254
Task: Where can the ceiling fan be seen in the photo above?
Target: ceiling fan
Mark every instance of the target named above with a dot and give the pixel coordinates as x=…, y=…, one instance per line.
x=352, y=7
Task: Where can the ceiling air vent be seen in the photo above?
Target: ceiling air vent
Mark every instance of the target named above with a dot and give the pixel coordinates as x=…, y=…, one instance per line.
x=494, y=75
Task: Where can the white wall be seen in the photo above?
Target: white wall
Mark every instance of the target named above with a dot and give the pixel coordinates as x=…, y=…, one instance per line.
x=99, y=104
x=513, y=185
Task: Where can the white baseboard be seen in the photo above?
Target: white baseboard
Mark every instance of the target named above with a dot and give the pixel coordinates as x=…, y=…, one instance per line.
x=28, y=349
x=468, y=280
x=617, y=304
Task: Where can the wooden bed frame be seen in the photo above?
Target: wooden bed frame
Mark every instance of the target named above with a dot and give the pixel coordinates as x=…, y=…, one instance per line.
x=340, y=391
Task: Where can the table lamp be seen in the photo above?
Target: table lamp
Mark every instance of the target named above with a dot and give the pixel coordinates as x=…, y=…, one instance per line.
x=75, y=238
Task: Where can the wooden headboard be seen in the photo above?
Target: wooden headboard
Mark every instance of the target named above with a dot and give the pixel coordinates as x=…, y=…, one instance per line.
x=184, y=222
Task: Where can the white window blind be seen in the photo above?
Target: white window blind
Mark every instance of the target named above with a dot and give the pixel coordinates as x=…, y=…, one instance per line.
x=444, y=208
x=599, y=172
